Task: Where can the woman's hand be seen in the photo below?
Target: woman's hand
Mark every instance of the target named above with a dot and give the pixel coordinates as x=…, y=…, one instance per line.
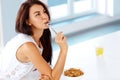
x=60, y=39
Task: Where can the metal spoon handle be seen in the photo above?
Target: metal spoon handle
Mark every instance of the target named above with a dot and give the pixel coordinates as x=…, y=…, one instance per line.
x=54, y=30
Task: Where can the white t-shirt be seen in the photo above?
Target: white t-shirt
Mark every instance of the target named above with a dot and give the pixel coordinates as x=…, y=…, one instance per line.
x=10, y=67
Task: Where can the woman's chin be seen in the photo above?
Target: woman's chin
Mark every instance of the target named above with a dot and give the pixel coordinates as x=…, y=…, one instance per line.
x=46, y=28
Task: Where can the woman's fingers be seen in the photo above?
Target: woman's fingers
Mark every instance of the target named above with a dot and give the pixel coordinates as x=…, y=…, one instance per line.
x=60, y=36
x=60, y=39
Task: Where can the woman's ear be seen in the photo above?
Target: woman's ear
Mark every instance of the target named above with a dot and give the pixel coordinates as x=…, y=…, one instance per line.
x=28, y=23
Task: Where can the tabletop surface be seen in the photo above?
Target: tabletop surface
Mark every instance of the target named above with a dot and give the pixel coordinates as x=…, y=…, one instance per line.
x=102, y=67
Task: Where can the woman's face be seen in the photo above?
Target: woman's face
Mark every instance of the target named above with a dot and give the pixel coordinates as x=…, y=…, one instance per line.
x=38, y=18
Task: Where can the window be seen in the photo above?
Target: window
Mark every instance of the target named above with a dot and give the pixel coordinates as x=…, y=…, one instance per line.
x=67, y=9
x=58, y=8
x=82, y=6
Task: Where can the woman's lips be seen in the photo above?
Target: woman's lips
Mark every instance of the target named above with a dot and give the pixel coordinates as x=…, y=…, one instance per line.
x=47, y=23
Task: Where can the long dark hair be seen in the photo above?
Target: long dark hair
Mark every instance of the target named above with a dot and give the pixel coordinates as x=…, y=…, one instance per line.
x=22, y=27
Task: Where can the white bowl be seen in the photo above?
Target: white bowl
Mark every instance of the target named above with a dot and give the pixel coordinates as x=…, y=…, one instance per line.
x=73, y=78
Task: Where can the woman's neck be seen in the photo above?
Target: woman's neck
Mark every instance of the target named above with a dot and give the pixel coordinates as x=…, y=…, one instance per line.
x=37, y=35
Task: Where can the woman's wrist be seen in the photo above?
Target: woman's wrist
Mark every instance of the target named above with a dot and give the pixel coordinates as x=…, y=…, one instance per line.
x=63, y=48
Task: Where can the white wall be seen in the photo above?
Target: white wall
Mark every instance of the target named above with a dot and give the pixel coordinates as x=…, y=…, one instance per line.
x=101, y=6
x=8, y=10
x=117, y=7
x=0, y=26
x=108, y=7
x=113, y=11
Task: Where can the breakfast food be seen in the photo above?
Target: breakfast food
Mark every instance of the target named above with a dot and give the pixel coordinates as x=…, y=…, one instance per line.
x=72, y=72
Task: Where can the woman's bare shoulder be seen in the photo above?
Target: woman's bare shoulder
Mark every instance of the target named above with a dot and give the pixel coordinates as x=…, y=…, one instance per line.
x=29, y=49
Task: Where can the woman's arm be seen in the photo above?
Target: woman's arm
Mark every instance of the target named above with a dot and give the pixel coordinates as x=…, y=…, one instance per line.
x=59, y=66
x=30, y=50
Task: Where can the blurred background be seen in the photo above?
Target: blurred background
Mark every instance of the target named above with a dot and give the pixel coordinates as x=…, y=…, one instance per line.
x=82, y=19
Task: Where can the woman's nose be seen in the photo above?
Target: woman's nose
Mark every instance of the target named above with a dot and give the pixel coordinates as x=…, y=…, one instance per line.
x=44, y=16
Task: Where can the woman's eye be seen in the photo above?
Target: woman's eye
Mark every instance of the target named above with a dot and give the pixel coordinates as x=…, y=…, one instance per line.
x=37, y=14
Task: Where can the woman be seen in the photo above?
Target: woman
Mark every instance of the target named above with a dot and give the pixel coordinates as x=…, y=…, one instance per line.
x=30, y=52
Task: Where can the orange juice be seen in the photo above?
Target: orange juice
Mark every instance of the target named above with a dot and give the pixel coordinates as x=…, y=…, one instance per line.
x=99, y=51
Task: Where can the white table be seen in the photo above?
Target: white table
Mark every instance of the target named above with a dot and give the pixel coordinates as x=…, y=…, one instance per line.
x=104, y=67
